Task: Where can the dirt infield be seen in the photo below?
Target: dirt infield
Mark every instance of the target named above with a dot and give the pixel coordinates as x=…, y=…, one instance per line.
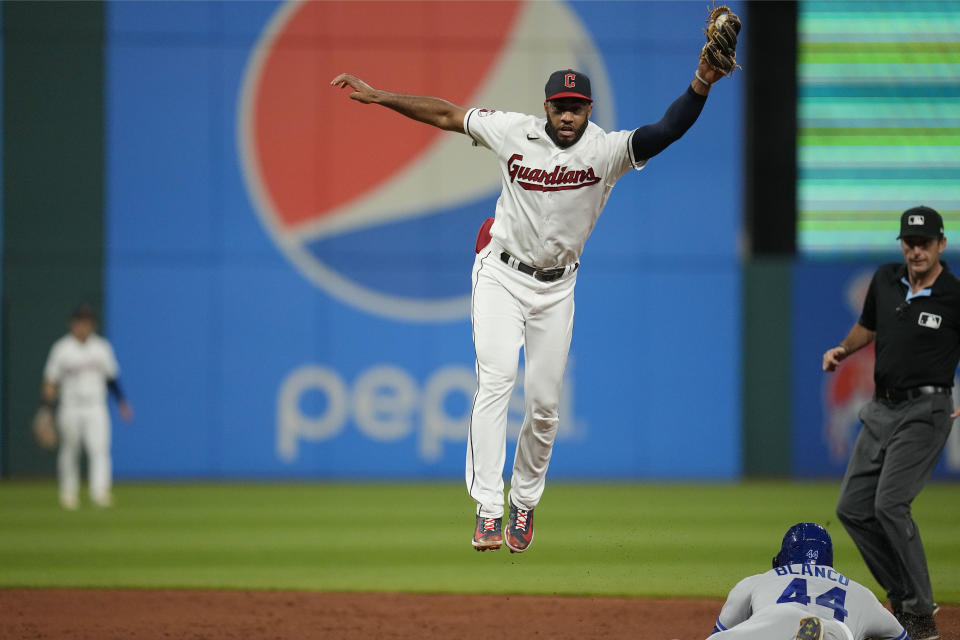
x=103, y=614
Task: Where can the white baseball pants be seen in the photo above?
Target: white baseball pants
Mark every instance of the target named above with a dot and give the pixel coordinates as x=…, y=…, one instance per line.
x=510, y=309
x=87, y=426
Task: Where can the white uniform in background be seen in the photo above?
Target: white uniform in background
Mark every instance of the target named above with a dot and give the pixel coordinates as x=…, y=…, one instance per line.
x=81, y=371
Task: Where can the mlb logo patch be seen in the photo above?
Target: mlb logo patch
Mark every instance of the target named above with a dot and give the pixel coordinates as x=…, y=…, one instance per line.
x=915, y=220
x=929, y=320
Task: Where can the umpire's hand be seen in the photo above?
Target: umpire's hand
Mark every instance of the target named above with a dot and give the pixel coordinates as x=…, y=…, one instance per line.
x=833, y=357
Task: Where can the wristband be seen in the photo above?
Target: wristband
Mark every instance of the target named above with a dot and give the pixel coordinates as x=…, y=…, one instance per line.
x=696, y=74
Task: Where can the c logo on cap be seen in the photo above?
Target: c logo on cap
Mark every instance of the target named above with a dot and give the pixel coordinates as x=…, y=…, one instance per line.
x=569, y=80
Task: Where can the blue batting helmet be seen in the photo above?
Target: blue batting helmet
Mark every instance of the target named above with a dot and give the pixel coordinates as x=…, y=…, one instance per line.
x=805, y=543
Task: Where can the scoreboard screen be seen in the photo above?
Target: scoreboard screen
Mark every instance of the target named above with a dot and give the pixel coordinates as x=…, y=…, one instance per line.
x=878, y=130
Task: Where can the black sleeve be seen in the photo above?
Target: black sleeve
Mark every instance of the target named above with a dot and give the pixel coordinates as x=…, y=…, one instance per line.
x=651, y=139
x=115, y=390
x=868, y=318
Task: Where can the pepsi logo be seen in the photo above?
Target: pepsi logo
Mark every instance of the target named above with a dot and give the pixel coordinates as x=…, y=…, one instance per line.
x=377, y=210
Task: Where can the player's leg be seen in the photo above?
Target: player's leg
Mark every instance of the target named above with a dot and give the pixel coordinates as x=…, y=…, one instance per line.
x=912, y=453
x=856, y=505
x=546, y=347
x=68, y=457
x=497, y=335
x=96, y=436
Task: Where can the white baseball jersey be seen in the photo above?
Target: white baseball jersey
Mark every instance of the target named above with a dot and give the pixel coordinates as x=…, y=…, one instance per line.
x=551, y=196
x=81, y=369
x=821, y=590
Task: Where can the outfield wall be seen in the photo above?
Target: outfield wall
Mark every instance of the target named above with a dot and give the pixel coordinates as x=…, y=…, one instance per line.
x=302, y=310
x=285, y=272
x=53, y=198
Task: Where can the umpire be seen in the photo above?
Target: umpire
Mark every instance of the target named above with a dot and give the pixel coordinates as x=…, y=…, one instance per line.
x=912, y=310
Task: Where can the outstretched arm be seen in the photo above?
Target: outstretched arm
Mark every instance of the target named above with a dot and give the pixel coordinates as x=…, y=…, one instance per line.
x=717, y=58
x=433, y=111
x=651, y=139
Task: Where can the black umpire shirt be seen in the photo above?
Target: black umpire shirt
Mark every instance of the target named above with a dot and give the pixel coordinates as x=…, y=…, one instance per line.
x=917, y=341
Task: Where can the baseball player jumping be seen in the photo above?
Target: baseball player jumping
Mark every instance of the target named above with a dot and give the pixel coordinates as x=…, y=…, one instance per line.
x=80, y=369
x=804, y=597
x=557, y=172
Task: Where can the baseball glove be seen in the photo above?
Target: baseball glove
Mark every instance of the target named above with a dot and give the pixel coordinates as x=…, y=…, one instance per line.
x=44, y=430
x=720, y=51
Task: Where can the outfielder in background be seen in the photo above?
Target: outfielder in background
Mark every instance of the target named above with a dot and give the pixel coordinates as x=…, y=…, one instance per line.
x=80, y=369
x=804, y=597
x=912, y=313
x=557, y=172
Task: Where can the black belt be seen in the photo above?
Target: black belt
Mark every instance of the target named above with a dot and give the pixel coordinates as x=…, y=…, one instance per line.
x=895, y=396
x=543, y=275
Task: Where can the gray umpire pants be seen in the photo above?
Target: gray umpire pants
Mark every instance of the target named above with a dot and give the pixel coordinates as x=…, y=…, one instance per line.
x=895, y=453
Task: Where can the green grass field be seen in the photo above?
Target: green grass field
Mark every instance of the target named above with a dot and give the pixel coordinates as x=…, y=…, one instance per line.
x=600, y=539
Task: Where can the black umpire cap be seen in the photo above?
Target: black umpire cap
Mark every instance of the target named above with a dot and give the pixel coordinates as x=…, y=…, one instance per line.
x=920, y=222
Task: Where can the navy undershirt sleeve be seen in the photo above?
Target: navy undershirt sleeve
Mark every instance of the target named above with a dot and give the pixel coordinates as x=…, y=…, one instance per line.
x=651, y=139
x=114, y=387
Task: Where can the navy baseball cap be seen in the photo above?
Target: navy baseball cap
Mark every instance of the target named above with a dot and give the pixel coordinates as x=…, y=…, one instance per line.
x=568, y=83
x=83, y=311
x=920, y=222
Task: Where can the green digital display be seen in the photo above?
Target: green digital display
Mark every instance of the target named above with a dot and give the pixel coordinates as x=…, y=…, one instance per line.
x=878, y=131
